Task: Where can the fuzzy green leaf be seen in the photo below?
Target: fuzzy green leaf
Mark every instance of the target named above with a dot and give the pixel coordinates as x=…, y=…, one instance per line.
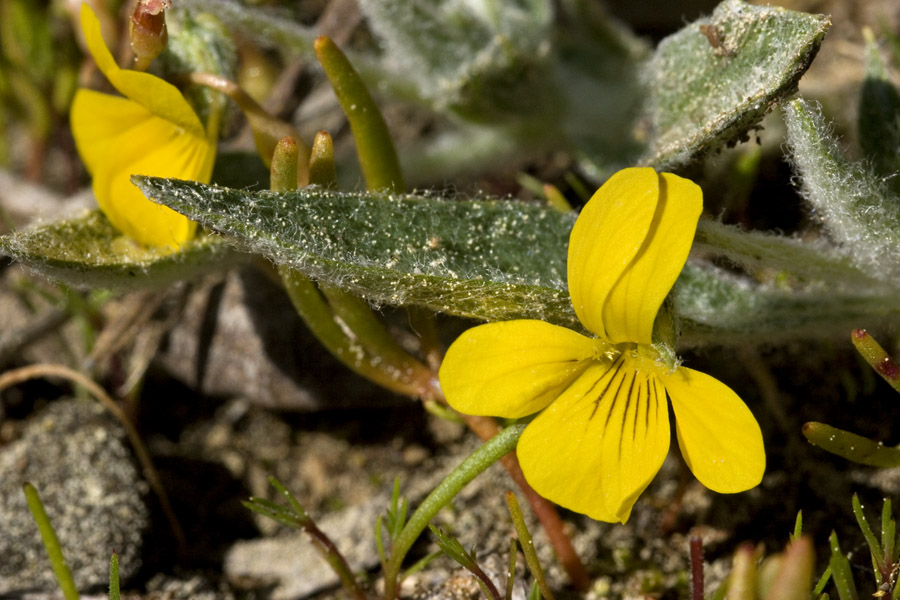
x=484, y=60
x=719, y=76
x=89, y=252
x=492, y=260
x=488, y=259
x=856, y=205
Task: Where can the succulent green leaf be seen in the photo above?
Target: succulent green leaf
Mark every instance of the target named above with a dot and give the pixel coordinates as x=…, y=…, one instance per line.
x=855, y=205
x=89, y=252
x=718, y=77
x=851, y=446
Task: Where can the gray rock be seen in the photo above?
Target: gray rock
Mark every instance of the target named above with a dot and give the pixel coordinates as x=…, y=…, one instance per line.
x=77, y=456
x=242, y=337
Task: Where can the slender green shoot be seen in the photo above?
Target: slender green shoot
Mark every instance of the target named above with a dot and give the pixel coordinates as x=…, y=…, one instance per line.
x=841, y=573
x=888, y=535
x=396, y=514
x=420, y=564
x=490, y=452
x=51, y=543
x=114, y=577
x=798, y=527
x=823, y=581
x=451, y=546
x=321, y=162
x=556, y=199
x=874, y=545
x=295, y=516
x=531, y=559
x=511, y=569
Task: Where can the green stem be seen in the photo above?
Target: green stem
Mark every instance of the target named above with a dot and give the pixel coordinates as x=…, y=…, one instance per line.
x=317, y=314
x=366, y=329
x=267, y=130
x=377, y=155
x=489, y=453
x=322, y=544
x=51, y=543
x=345, y=324
x=531, y=558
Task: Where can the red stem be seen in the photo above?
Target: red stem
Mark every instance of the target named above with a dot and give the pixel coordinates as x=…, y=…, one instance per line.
x=696, y=568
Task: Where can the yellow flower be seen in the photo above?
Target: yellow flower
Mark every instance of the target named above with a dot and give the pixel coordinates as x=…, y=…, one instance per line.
x=604, y=430
x=151, y=131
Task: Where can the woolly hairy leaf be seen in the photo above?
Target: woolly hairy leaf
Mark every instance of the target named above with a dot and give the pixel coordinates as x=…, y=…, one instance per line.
x=480, y=59
x=88, y=251
x=488, y=259
x=717, y=77
x=854, y=204
x=494, y=260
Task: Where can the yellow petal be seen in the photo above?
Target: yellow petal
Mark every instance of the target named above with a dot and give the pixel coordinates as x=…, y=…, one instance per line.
x=718, y=435
x=118, y=138
x=598, y=446
x=159, y=97
x=606, y=237
x=513, y=368
x=634, y=301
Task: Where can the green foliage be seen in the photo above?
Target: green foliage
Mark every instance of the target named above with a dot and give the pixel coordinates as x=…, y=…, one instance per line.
x=716, y=78
x=854, y=204
x=489, y=259
x=878, y=121
x=51, y=543
x=527, y=544
x=293, y=515
x=484, y=60
x=450, y=546
x=521, y=78
x=496, y=260
x=89, y=252
x=849, y=445
x=199, y=42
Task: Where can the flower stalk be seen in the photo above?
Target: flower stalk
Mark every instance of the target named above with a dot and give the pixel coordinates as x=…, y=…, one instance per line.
x=531, y=558
x=489, y=453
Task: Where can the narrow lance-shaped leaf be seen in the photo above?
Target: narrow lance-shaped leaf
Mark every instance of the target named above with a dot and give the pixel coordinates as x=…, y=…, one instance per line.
x=718, y=77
